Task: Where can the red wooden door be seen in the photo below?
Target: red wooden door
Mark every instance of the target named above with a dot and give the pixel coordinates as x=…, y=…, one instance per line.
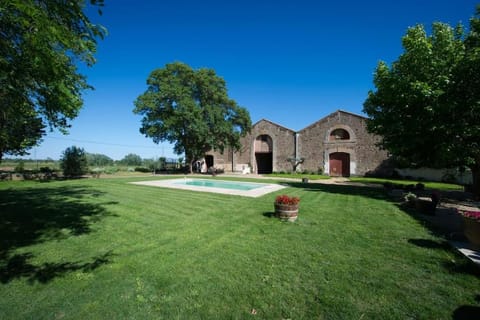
x=339, y=164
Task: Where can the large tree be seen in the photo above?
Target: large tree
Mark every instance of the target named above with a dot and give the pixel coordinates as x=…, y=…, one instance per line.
x=191, y=109
x=41, y=45
x=426, y=106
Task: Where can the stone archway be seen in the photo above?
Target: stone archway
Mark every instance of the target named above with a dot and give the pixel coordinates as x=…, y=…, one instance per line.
x=264, y=154
x=339, y=163
x=209, y=160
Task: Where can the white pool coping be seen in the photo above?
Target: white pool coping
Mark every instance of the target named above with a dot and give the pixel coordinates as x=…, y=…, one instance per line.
x=254, y=193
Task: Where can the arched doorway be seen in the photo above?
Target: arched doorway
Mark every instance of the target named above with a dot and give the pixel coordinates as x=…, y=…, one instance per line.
x=339, y=164
x=209, y=161
x=264, y=154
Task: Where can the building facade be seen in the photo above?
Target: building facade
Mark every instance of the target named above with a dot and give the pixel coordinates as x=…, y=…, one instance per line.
x=337, y=145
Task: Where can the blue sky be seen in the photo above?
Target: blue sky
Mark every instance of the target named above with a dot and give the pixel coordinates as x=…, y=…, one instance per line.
x=292, y=62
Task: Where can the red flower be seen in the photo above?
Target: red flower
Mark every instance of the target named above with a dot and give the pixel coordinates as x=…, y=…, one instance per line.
x=475, y=215
x=284, y=199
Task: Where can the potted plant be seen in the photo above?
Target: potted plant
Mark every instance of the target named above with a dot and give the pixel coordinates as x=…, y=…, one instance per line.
x=471, y=226
x=286, y=208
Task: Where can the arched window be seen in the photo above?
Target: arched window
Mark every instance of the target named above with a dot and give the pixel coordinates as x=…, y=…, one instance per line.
x=339, y=134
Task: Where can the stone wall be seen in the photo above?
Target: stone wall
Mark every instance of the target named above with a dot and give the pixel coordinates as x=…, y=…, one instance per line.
x=314, y=145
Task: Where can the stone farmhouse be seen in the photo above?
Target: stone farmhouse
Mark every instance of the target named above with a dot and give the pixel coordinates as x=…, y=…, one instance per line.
x=338, y=145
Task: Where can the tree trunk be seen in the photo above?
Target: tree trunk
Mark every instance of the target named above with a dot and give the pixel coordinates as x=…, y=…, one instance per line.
x=188, y=160
x=476, y=179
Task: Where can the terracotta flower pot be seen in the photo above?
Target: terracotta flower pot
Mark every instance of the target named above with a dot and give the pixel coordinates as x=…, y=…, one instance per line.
x=286, y=212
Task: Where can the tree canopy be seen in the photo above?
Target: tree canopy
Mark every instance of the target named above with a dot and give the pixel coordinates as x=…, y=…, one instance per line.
x=41, y=44
x=98, y=159
x=191, y=109
x=131, y=159
x=426, y=106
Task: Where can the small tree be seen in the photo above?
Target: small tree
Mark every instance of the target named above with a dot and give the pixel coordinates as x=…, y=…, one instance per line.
x=74, y=162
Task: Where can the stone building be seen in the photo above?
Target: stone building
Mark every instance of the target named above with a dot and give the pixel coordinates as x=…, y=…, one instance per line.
x=338, y=145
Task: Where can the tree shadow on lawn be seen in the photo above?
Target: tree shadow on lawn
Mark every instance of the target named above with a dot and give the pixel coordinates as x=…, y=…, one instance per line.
x=446, y=226
x=363, y=191
x=36, y=215
x=18, y=266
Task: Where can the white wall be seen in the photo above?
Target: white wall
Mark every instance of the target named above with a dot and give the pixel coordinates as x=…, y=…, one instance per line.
x=436, y=174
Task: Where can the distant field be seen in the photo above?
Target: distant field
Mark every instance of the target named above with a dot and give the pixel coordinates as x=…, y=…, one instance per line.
x=7, y=165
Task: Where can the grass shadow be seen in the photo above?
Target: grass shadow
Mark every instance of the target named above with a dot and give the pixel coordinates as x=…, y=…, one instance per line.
x=363, y=191
x=35, y=215
x=269, y=214
x=466, y=313
x=443, y=229
x=430, y=244
x=18, y=266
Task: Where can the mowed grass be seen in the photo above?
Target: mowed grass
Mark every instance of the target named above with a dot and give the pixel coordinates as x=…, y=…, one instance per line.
x=107, y=249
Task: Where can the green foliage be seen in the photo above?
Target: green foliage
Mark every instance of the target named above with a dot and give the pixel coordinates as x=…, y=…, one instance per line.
x=97, y=159
x=41, y=45
x=191, y=109
x=131, y=159
x=152, y=164
x=426, y=106
x=74, y=162
x=20, y=168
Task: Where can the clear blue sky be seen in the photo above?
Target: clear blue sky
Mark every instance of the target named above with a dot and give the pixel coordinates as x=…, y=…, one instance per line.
x=292, y=62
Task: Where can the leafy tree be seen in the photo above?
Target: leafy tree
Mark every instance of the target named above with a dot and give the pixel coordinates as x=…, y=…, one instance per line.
x=191, y=109
x=97, y=159
x=154, y=165
x=74, y=162
x=131, y=159
x=426, y=105
x=41, y=44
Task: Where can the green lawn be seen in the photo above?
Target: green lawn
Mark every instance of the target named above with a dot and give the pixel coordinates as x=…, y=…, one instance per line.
x=297, y=176
x=106, y=249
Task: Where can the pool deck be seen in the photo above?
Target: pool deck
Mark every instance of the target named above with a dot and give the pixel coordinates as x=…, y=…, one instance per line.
x=173, y=184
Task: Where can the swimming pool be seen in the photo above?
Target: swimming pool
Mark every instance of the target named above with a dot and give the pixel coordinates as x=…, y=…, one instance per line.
x=231, y=185
x=246, y=189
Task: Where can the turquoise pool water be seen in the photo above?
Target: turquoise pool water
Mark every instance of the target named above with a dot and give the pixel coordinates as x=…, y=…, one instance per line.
x=230, y=185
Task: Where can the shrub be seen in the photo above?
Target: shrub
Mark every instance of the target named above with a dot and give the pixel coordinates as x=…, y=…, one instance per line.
x=20, y=168
x=111, y=170
x=74, y=162
x=142, y=169
x=46, y=170
x=420, y=186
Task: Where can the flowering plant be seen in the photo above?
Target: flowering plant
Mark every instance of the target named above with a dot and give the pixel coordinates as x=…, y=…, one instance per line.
x=474, y=215
x=284, y=199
